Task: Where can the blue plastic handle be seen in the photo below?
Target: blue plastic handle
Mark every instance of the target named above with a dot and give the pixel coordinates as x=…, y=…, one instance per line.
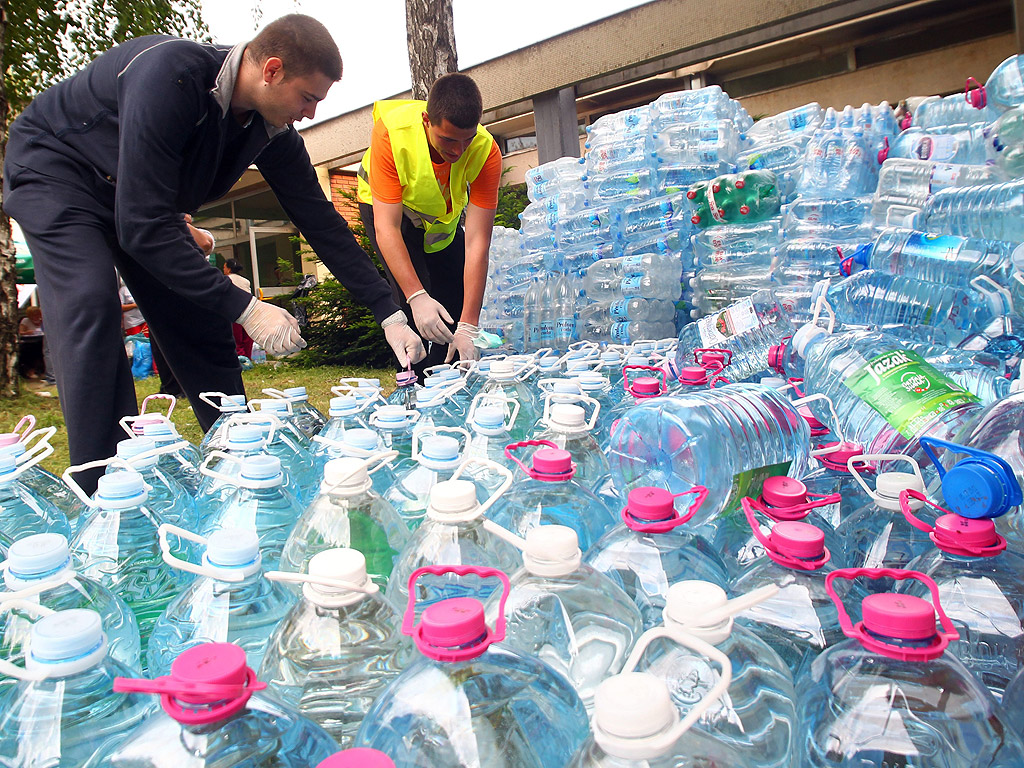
x=960, y=489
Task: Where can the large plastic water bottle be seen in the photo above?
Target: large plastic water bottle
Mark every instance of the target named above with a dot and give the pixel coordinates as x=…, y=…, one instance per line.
x=637, y=725
x=757, y=713
x=551, y=496
x=747, y=329
x=706, y=439
x=965, y=147
x=182, y=459
x=1006, y=137
x=338, y=647
x=455, y=532
x=504, y=380
x=793, y=121
x=567, y=426
x=876, y=535
x=395, y=426
x=838, y=164
x=894, y=670
x=228, y=406
x=406, y=387
x=22, y=511
x=490, y=430
x=287, y=443
x=994, y=211
x=61, y=708
x=438, y=407
x=570, y=616
x=747, y=196
x=509, y=709
x=284, y=416
x=781, y=498
x=364, y=444
x=1004, y=88
x=345, y=413
x=24, y=446
x=783, y=157
x=230, y=601
x=348, y=513
x=212, y=711
x=261, y=502
x=904, y=185
x=654, y=547
x=798, y=622
x=437, y=453
x=167, y=497
x=306, y=416
x=953, y=111
x=117, y=544
x=39, y=568
x=941, y=258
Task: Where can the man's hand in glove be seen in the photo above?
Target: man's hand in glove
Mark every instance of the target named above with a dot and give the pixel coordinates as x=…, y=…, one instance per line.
x=407, y=346
x=271, y=327
x=464, y=343
x=430, y=317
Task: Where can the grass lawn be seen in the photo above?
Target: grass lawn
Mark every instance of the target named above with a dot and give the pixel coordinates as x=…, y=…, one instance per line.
x=42, y=402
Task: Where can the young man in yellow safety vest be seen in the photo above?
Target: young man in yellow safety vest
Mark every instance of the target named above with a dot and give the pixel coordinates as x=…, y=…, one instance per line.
x=427, y=163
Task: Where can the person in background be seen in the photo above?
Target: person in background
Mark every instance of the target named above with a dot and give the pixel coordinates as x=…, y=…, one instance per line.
x=31, y=357
x=428, y=163
x=98, y=170
x=243, y=341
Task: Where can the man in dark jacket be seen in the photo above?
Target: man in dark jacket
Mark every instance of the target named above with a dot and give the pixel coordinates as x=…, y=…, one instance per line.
x=98, y=172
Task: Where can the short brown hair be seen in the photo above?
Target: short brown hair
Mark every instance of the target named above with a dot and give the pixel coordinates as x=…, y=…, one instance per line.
x=457, y=99
x=302, y=44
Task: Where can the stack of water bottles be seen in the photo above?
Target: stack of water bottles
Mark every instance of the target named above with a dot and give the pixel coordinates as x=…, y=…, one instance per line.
x=789, y=535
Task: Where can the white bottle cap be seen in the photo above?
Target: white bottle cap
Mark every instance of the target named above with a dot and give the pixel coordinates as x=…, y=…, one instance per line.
x=343, y=564
x=346, y=476
x=565, y=417
x=66, y=643
x=552, y=550
x=35, y=557
x=804, y=335
x=889, y=485
x=234, y=550
x=688, y=601
x=632, y=705
x=502, y=369
x=452, y=501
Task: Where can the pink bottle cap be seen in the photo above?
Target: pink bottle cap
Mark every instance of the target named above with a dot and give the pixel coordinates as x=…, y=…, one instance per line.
x=8, y=438
x=776, y=357
x=209, y=663
x=812, y=421
x=903, y=617
x=359, y=757
x=405, y=378
x=552, y=461
x=651, y=504
x=954, y=532
x=838, y=458
x=693, y=375
x=453, y=630
x=645, y=386
x=783, y=492
x=791, y=538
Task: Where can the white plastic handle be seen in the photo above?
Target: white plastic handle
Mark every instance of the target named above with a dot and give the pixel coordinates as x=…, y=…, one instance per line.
x=237, y=481
x=368, y=588
x=277, y=394
x=34, y=609
x=159, y=450
x=411, y=415
x=866, y=458
x=436, y=368
x=729, y=608
x=221, y=574
x=37, y=588
x=499, y=400
x=835, y=426
x=439, y=395
x=556, y=398
x=207, y=397
x=358, y=392
x=493, y=465
x=425, y=430
x=41, y=438
x=348, y=450
x=548, y=385
x=381, y=458
x=988, y=288
x=127, y=422
x=158, y=396
x=822, y=305
x=260, y=419
x=74, y=469
x=505, y=534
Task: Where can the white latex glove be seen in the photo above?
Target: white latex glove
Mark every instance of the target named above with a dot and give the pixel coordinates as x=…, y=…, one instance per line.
x=430, y=318
x=464, y=343
x=273, y=328
x=407, y=346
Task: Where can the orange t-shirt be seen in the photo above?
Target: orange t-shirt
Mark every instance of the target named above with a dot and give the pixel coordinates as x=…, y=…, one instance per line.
x=386, y=186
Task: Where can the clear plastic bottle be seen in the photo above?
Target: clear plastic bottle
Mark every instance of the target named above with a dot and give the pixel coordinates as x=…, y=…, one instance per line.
x=953, y=111
x=894, y=670
x=338, y=647
x=24, y=447
x=701, y=142
x=261, y=502
x=567, y=425
x=39, y=568
x=747, y=329
x=437, y=455
x=838, y=164
x=61, y=709
x=904, y=185
x=707, y=439
x=364, y=444
x=22, y=511
x=505, y=385
x=306, y=416
x=117, y=544
x=348, y=513
x=182, y=459
x=490, y=431
x=395, y=426
x=167, y=496
x=287, y=443
x=550, y=495
x=233, y=724
x=1004, y=88
x=230, y=601
x=793, y=121
x=756, y=714
x=509, y=709
x=653, y=548
x=345, y=413
x=964, y=147
x=455, y=532
x=405, y=389
x=573, y=618
x=228, y=405
x=993, y=211
x=799, y=621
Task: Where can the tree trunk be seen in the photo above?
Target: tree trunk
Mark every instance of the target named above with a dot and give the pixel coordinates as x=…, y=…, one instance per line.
x=430, y=33
x=8, y=279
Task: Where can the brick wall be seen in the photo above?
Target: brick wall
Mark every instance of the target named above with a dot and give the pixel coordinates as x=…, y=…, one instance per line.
x=344, y=182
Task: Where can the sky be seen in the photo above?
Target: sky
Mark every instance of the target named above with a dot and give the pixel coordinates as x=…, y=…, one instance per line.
x=371, y=35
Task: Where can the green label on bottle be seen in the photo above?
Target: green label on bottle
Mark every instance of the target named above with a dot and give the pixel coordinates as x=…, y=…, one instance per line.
x=750, y=482
x=907, y=392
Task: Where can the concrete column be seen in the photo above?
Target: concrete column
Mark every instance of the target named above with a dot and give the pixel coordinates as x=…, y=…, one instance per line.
x=557, y=124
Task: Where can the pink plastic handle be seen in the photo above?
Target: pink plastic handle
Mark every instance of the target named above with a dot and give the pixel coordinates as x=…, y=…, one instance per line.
x=795, y=384
x=529, y=470
x=944, y=543
x=872, y=642
x=796, y=511
x=24, y=426
x=234, y=697
x=170, y=408
x=663, y=526
x=698, y=357
x=796, y=563
x=659, y=373
x=977, y=97
x=883, y=153
x=496, y=635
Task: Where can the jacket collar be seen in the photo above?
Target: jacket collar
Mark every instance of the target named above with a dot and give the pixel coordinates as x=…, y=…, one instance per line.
x=224, y=87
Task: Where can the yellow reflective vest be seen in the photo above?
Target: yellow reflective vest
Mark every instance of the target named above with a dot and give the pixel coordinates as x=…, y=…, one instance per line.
x=422, y=199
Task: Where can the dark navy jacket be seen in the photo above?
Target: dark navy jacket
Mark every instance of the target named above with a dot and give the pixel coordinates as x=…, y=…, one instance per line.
x=147, y=126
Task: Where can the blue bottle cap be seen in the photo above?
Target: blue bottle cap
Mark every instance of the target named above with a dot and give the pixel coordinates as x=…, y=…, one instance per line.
x=233, y=403
x=432, y=382
x=14, y=449
x=66, y=635
x=489, y=416
x=980, y=489
x=392, y=416
x=121, y=490
x=343, y=405
x=244, y=436
x=232, y=547
x=295, y=393
x=38, y=555
x=261, y=467
x=440, y=448
x=449, y=374
x=158, y=430
x=133, y=446
x=566, y=387
x=274, y=406
x=363, y=439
